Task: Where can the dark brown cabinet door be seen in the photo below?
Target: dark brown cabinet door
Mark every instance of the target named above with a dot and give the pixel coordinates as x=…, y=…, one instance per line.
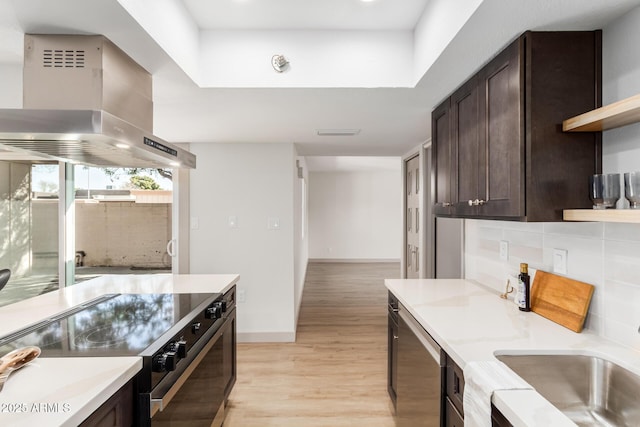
x=470, y=149
x=443, y=156
x=116, y=411
x=501, y=125
x=452, y=416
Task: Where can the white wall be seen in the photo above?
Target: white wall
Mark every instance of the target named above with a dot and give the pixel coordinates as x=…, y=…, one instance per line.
x=252, y=182
x=11, y=85
x=621, y=79
x=606, y=255
x=355, y=215
x=300, y=232
x=317, y=58
x=242, y=58
x=439, y=24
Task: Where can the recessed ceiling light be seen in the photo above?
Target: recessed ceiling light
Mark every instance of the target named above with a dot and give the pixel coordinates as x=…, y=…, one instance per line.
x=337, y=132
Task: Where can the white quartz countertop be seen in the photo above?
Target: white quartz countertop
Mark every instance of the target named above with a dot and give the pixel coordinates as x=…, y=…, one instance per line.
x=64, y=391
x=472, y=323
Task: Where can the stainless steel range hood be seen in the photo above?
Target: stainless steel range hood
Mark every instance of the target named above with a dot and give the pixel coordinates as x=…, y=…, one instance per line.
x=85, y=101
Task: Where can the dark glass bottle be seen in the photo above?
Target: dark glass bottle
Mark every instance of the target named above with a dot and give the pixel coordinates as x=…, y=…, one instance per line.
x=523, y=279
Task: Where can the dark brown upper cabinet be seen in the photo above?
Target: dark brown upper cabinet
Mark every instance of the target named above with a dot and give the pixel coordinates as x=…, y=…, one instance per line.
x=499, y=150
x=442, y=157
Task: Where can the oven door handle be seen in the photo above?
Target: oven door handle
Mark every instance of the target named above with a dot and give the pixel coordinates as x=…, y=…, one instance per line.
x=158, y=404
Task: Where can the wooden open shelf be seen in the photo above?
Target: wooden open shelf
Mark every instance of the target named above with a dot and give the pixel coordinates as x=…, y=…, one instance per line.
x=602, y=215
x=610, y=116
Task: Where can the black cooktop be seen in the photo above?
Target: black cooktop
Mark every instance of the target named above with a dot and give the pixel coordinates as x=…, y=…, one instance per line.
x=114, y=325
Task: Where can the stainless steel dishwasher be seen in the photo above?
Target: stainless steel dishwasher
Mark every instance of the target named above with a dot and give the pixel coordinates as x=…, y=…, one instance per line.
x=420, y=373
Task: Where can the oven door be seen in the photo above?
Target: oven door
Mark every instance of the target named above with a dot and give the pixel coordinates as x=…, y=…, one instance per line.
x=198, y=396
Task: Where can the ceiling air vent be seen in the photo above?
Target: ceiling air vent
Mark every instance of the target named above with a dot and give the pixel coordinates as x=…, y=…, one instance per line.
x=61, y=58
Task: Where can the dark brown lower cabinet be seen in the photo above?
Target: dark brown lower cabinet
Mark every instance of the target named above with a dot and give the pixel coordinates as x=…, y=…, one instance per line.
x=117, y=411
x=392, y=349
x=454, y=384
x=497, y=419
x=453, y=418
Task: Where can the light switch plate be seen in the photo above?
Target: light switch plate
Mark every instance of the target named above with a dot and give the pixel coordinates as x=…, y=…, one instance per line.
x=273, y=223
x=504, y=250
x=233, y=221
x=195, y=223
x=560, y=261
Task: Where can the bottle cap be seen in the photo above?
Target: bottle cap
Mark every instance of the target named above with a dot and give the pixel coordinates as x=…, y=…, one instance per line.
x=524, y=268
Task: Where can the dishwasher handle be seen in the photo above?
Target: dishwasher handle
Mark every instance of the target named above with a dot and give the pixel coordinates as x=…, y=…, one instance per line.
x=423, y=336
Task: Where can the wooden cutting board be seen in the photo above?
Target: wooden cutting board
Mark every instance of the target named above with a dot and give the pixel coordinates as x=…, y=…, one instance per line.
x=561, y=300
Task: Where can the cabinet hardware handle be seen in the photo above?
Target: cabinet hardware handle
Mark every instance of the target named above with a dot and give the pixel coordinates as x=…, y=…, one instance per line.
x=446, y=204
x=476, y=202
x=395, y=337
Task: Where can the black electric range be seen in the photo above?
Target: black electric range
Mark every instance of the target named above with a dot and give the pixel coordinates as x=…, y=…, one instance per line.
x=162, y=328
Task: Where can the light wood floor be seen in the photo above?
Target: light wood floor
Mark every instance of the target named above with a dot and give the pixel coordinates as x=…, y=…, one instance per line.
x=335, y=374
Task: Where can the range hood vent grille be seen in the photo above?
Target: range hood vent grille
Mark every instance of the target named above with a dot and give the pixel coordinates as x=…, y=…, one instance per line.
x=63, y=58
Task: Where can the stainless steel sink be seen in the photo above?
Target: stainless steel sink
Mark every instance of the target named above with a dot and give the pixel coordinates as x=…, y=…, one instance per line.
x=589, y=390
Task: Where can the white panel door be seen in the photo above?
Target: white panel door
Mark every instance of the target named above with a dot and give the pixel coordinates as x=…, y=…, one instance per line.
x=412, y=217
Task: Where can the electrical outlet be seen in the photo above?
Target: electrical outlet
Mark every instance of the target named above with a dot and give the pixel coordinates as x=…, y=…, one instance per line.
x=560, y=261
x=233, y=221
x=242, y=295
x=504, y=250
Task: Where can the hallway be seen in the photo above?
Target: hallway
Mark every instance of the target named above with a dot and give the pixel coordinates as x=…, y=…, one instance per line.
x=335, y=372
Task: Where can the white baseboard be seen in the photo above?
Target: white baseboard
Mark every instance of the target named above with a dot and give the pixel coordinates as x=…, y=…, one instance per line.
x=355, y=260
x=246, y=337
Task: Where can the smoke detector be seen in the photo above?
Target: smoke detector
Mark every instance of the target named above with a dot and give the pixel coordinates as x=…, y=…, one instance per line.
x=279, y=63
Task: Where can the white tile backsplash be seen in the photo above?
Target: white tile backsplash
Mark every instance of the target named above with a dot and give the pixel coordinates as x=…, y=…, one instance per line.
x=584, y=256
x=604, y=255
x=619, y=231
x=622, y=262
x=585, y=229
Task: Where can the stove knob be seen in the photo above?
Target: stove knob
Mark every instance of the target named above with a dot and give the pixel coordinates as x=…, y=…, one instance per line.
x=195, y=328
x=180, y=348
x=222, y=304
x=214, y=312
x=170, y=361
x=165, y=362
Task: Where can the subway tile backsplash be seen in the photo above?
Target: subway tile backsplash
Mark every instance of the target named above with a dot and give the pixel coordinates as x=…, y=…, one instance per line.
x=606, y=255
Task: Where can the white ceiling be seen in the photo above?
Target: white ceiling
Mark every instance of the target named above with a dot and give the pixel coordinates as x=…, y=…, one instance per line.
x=306, y=14
x=392, y=120
x=352, y=163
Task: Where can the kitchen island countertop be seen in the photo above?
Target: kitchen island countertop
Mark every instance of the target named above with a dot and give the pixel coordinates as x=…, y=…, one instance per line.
x=472, y=323
x=64, y=391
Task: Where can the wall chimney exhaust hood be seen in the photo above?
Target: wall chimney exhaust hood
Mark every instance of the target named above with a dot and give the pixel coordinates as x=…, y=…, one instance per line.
x=87, y=102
